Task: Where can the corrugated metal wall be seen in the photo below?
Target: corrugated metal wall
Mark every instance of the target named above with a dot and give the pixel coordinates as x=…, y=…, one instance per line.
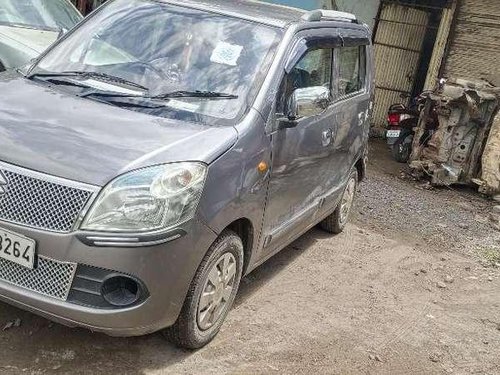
x=475, y=45
x=398, y=44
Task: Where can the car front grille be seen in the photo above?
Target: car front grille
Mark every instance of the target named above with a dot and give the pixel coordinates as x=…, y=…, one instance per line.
x=50, y=277
x=39, y=201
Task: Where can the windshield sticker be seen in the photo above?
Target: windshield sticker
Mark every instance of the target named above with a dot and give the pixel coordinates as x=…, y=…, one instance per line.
x=227, y=54
x=182, y=106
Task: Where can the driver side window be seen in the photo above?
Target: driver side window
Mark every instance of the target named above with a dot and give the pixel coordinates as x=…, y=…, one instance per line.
x=308, y=83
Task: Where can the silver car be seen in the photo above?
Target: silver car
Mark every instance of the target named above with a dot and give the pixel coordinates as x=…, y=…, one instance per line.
x=28, y=27
x=163, y=149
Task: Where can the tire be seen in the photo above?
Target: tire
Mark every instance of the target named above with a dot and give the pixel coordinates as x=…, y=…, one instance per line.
x=336, y=222
x=401, y=150
x=194, y=328
x=2, y=67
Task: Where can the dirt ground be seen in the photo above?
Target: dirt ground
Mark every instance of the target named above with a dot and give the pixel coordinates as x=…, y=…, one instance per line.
x=410, y=288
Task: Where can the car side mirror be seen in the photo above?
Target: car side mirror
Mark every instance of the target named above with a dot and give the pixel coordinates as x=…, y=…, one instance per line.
x=305, y=102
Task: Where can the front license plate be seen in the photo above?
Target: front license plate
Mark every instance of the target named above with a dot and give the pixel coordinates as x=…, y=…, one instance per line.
x=393, y=133
x=17, y=248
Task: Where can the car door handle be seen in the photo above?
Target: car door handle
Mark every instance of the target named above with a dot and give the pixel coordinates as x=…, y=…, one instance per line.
x=361, y=118
x=326, y=137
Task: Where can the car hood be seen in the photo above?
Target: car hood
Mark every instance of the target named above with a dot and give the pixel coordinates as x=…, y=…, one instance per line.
x=91, y=142
x=30, y=41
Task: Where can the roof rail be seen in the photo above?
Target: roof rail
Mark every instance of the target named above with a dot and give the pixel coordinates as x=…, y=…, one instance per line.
x=328, y=15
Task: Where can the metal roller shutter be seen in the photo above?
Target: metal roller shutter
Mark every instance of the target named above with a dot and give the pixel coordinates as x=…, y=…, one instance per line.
x=474, y=51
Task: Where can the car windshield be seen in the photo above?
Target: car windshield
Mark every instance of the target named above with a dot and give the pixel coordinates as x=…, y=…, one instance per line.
x=210, y=64
x=39, y=14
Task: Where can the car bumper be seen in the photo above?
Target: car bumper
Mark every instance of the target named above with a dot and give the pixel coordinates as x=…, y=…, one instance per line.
x=165, y=270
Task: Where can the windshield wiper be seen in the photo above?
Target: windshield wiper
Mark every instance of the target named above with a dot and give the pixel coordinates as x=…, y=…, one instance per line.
x=102, y=76
x=170, y=95
x=194, y=94
x=147, y=101
x=65, y=82
x=119, y=103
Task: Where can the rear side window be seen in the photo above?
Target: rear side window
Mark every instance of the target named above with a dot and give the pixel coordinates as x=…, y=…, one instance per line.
x=352, y=70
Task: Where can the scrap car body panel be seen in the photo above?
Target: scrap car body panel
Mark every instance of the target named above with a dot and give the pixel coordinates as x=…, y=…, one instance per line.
x=464, y=147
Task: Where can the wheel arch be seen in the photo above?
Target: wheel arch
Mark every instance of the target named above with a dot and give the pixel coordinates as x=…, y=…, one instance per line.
x=361, y=168
x=244, y=228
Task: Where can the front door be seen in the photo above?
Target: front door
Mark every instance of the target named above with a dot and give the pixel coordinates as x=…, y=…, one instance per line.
x=303, y=167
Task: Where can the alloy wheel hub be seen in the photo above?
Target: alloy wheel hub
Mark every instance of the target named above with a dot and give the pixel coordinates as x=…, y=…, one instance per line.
x=217, y=291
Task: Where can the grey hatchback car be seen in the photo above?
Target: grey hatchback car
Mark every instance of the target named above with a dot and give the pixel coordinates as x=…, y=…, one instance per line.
x=163, y=149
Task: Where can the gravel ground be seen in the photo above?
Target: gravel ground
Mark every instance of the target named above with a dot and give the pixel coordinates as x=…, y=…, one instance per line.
x=454, y=219
x=408, y=289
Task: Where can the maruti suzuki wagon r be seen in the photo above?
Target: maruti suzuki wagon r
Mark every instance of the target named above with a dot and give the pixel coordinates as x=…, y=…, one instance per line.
x=163, y=149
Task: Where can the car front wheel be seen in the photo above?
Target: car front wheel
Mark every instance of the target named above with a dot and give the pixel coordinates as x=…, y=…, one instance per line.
x=211, y=295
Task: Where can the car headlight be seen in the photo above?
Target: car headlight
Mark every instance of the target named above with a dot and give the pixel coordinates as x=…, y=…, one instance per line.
x=148, y=199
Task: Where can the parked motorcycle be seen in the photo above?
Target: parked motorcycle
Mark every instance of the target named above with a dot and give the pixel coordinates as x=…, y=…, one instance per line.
x=401, y=123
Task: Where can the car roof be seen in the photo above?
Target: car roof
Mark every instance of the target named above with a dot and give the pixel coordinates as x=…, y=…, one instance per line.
x=257, y=11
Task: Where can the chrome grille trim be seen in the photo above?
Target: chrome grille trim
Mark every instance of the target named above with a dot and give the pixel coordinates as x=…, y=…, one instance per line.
x=51, y=278
x=41, y=201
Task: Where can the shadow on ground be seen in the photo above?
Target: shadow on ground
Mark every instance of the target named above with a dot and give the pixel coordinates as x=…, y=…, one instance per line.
x=45, y=347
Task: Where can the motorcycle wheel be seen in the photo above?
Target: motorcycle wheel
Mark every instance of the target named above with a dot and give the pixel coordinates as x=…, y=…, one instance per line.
x=401, y=150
